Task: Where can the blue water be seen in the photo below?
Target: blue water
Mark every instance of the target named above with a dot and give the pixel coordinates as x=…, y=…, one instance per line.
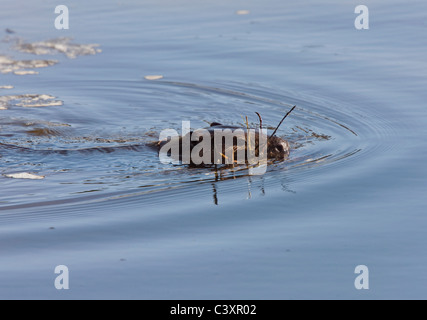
x=127, y=226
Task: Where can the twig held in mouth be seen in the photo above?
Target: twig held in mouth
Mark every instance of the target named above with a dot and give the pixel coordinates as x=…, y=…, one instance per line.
x=280, y=123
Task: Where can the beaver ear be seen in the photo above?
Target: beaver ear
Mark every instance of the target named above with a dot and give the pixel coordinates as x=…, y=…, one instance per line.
x=214, y=124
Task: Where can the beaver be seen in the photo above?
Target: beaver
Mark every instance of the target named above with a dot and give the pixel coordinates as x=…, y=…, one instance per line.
x=228, y=145
x=222, y=144
x=271, y=147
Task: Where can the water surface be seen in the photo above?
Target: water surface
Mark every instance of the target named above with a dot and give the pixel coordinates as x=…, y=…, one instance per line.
x=80, y=115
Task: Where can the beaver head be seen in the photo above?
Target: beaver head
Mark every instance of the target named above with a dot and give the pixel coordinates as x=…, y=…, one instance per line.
x=277, y=148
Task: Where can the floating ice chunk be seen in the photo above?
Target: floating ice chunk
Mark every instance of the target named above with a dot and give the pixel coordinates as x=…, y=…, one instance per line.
x=24, y=175
x=6, y=87
x=25, y=72
x=58, y=45
x=243, y=12
x=29, y=101
x=20, y=67
x=153, y=77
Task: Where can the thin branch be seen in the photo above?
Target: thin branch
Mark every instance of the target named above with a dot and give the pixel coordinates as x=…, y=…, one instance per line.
x=260, y=120
x=282, y=121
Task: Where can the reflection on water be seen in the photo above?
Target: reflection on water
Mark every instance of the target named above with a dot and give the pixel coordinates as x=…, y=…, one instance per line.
x=255, y=186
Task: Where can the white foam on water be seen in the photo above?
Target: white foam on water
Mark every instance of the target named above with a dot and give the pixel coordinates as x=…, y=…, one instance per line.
x=24, y=175
x=29, y=101
x=58, y=45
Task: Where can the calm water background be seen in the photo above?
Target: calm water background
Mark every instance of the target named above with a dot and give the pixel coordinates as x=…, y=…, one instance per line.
x=129, y=227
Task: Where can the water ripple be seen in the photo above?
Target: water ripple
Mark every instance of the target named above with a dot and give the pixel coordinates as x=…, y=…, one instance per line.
x=92, y=159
